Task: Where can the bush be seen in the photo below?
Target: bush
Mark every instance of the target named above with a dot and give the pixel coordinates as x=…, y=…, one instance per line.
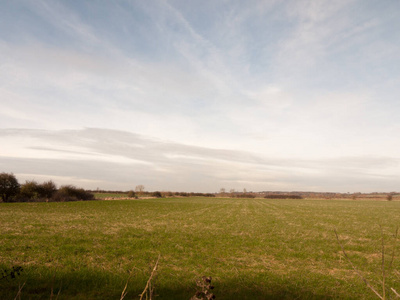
x=9, y=187
x=32, y=191
x=47, y=189
x=131, y=194
x=72, y=193
x=157, y=194
x=11, y=190
x=29, y=190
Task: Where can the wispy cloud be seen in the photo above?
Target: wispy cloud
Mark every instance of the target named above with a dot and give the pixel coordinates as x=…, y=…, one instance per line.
x=295, y=94
x=123, y=159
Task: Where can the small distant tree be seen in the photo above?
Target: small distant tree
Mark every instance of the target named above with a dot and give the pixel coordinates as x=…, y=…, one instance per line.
x=389, y=197
x=139, y=189
x=9, y=186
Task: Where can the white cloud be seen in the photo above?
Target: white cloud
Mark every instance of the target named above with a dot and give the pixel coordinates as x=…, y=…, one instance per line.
x=120, y=158
x=297, y=82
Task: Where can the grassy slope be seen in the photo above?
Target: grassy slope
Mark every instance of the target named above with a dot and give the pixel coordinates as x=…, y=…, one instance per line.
x=253, y=248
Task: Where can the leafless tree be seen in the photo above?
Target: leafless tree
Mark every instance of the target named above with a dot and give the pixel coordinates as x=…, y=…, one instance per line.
x=139, y=189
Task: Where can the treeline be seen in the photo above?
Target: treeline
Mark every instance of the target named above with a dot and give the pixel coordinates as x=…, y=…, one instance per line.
x=185, y=194
x=31, y=191
x=164, y=194
x=327, y=195
x=282, y=196
x=259, y=195
x=241, y=195
x=156, y=194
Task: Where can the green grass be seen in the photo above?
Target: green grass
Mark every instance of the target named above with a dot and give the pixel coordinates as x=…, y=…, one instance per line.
x=253, y=248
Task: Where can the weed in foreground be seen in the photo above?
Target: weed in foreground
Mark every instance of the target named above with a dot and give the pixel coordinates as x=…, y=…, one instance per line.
x=205, y=289
x=15, y=271
x=148, y=291
x=383, y=295
x=12, y=274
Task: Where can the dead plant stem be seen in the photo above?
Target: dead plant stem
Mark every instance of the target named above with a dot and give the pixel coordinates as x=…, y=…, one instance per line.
x=148, y=284
x=18, y=296
x=355, y=269
x=383, y=265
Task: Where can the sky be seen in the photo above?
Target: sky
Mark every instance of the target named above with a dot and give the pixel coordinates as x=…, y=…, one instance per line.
x=201, y=95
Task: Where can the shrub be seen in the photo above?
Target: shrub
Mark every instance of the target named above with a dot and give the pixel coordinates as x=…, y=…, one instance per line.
x=131, y=194
x=389, y=197
x=157, y=194
x=9, y=186
x=29, y=190
x=72, y=193
x=47, y=189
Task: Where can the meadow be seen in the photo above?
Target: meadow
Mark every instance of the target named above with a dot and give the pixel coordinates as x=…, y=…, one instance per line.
x=252, y=248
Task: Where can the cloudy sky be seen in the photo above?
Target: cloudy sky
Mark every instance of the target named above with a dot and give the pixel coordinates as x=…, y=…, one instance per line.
x=180, y=95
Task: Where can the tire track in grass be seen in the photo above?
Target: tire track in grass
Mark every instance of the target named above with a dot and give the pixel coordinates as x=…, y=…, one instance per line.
x=256, y=250
x=293, y=244
x=267, y=203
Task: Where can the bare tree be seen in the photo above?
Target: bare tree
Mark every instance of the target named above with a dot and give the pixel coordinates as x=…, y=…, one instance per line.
x=139, y=189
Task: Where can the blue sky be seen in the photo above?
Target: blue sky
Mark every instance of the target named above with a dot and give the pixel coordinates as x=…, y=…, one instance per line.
x=200, y=95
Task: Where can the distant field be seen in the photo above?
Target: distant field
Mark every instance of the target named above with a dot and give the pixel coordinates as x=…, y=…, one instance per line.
x=110, y=195
x=253, y=248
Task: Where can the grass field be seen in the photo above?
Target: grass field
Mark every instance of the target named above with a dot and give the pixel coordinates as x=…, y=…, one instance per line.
x=253, y=248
